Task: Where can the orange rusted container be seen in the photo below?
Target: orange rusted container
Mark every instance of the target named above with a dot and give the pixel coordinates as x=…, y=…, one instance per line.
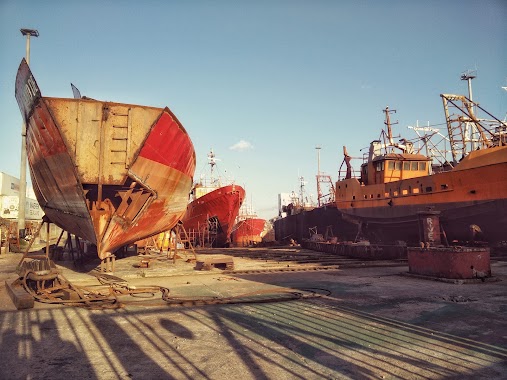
x=450, y=262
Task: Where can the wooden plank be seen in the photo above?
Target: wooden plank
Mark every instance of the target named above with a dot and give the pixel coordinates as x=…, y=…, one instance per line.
x=19, y=296
x=225, y=262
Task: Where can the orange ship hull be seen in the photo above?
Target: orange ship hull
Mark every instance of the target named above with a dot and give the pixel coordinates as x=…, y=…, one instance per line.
x=214, y=211
x=248, y=231
x=473, y=194
x=109, y=173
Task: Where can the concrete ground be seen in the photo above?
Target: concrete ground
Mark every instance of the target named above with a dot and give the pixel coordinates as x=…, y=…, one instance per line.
x=355, y=322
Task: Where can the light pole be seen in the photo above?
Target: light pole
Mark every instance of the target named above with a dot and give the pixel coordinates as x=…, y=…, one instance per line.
x=319, y=194
x=22, y=175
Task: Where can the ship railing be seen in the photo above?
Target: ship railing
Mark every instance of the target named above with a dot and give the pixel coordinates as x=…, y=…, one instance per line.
x=342, y=174
x=209, y=182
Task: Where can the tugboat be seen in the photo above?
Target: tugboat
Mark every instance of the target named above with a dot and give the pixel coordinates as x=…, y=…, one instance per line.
x=397, y=183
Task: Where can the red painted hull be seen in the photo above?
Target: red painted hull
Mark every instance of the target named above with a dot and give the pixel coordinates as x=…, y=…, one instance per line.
x=248, y=231
x=222, y=204
x=82, y=185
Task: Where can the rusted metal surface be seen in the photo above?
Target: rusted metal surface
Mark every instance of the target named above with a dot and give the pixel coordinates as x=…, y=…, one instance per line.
x=468, y=189
x=429, y=228
x=109, y=173
x=248, y=231
x=222, y=262
x=223, y=204
x=450, y=262
x=359, y=250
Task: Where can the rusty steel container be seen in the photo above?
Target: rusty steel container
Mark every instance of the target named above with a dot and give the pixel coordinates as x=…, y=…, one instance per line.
x=107, y=172
x=450, y=262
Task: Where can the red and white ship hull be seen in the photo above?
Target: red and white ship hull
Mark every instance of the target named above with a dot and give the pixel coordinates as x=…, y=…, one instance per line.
x=106, y=172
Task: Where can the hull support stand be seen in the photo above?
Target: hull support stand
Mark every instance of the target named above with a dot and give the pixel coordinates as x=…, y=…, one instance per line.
x=107, y=264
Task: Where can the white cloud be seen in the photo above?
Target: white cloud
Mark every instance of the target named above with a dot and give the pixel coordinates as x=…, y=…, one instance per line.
x=241, y=145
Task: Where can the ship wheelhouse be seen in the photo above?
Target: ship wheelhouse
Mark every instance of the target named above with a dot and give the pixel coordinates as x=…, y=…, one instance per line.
x=394, y=167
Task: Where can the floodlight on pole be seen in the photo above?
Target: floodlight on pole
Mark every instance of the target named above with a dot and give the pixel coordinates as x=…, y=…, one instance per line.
x=22, y=177
x=468, y=76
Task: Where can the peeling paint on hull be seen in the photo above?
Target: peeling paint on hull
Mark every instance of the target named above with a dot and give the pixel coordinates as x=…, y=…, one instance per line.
x=248, y=231
x=222, y=203
x=107, y=172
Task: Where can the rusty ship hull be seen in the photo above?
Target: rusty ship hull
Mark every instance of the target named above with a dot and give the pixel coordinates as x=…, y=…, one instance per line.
x=461, y=193
x=471, y=201
x=325, y=220
x=248, y=231
x=109, y=173
x=215, y=213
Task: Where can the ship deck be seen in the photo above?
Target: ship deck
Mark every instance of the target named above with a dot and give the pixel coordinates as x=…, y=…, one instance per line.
x=354, y=319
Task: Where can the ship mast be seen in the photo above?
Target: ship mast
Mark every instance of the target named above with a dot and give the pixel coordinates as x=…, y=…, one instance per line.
x=212, y=163
x=321, y=178
x=302, y=190
x=387, y=111
x=470, y=128
x=403, y=147
x=466, y=133
x=468, y=76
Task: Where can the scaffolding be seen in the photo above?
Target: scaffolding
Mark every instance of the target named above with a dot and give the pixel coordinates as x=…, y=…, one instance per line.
x=205, y=235
x=180, y=243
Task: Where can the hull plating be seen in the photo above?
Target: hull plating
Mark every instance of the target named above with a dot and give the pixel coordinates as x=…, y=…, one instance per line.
x=472, y=195
x=456, y=219
x=221, y=204
x=322, y=219
x=109, y=173
x=248, y=231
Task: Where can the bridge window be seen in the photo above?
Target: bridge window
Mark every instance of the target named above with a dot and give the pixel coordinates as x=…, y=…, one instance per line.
x=422, y=166
x=414, y=166
x=406, y=166
x=398, y=165
x=390, y=165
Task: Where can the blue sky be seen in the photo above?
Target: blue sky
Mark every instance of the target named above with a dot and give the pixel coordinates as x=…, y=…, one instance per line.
x=261, y=82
